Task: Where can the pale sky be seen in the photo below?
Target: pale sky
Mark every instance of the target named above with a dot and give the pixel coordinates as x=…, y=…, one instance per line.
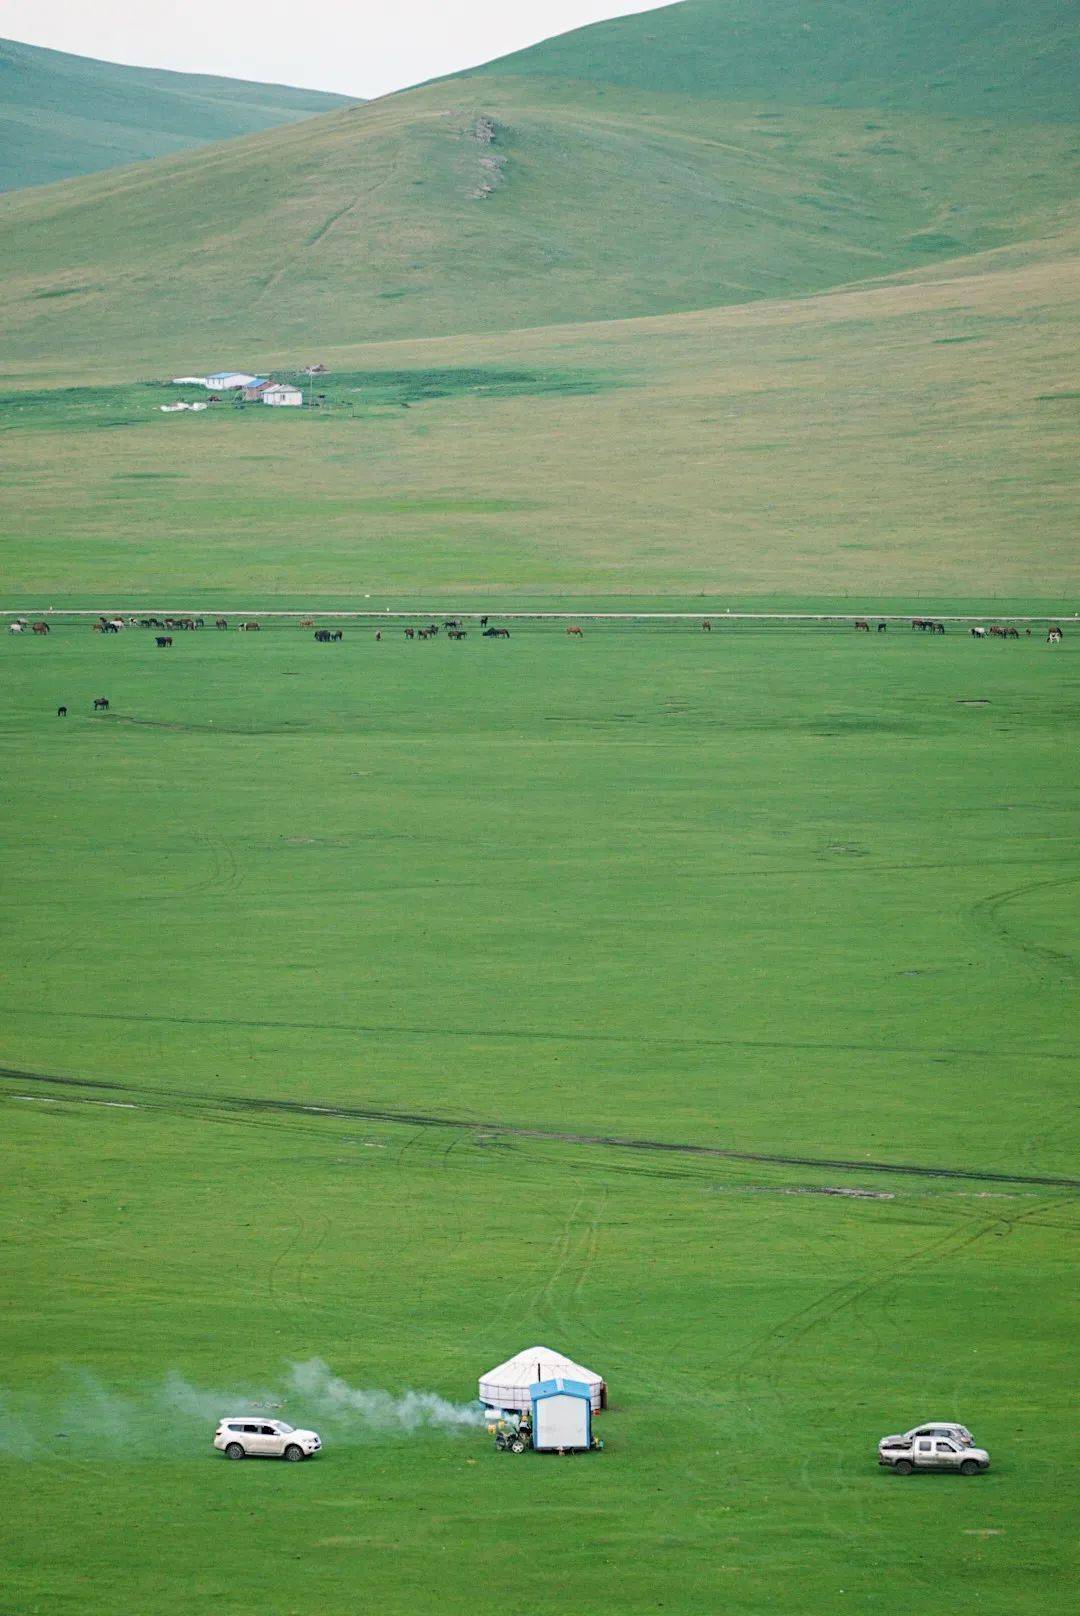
x=359, y=47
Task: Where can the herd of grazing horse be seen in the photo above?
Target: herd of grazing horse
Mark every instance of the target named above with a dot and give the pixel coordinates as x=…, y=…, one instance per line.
x=454, y=631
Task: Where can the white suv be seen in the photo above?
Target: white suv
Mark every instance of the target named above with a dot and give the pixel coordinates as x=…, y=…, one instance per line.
x=245, y=1435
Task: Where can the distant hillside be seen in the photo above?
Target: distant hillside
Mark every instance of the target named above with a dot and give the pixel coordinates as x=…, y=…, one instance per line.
x=963, y=57
x=62, y=116
x=669, y=161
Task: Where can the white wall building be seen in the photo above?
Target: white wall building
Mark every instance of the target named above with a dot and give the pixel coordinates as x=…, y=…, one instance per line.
x=562, y=1415
x=279, y=393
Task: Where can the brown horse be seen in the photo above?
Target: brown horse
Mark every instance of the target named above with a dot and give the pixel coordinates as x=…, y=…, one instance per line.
x=39, y=628
x=707, y=626
x=221, y=622
x=576, y=631
x=860, y=622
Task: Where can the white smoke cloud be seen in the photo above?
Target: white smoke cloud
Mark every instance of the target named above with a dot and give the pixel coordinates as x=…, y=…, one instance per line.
x=369, y=1409
x=176, y=1416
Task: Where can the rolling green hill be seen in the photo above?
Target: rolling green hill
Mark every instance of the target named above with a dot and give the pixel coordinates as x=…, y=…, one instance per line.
x=63, y=115
x=651, y=342
x=512, y=198
x=968, y=57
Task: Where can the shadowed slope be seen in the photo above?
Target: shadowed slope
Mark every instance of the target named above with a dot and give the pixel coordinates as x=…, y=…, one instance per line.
x=63, y=115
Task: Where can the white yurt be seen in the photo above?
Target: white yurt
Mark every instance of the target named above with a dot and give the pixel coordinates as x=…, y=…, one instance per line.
x=510, y=1384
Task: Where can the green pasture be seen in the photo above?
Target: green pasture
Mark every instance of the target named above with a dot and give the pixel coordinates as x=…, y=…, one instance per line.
x=353, y=994
x=909, y=444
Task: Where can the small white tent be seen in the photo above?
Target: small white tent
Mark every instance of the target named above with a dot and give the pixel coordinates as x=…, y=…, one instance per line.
x=510, y=1384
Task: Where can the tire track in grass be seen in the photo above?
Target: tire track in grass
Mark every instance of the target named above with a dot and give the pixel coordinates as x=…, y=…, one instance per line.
x=988, y=912
x=532, y=1035
x=418, y=1121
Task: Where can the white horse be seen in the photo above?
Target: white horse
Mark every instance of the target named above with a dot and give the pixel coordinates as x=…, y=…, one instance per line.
x=15, y=628
x=978, y=634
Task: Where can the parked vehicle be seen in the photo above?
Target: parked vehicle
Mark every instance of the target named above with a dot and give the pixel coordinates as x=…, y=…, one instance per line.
x=245, y=1437
x=958, y=1433
x=935, y=1453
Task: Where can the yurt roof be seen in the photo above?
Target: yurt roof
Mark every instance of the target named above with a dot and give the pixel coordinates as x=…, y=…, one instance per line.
x=539, y=1363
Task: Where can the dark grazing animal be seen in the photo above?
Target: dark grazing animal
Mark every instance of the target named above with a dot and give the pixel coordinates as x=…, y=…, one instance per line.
x=61, y=712
x=164, y=639
x=707, y=626
x=882, y=628
x=39, y=628
x=576, y=632
x=101, y=704
x=860, y=622
x=219, y=622
x=496, y=634
x=483, y=622
x=410, y=634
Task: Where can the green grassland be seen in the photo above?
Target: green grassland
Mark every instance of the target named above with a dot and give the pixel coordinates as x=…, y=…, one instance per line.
x=914, y=438
x=511, y=199
x=702, y=1005
x=973, y=56
x=483, y=907
x=63, y=115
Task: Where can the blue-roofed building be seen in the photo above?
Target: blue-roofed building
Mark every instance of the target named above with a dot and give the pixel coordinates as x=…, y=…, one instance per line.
x=561, y=1414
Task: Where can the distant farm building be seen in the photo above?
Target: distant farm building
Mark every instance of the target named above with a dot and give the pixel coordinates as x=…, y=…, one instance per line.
x=253, y=392
x=225, y=381
x=279, y=393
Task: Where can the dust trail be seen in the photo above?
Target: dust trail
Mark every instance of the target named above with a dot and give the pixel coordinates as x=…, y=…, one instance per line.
x=87, y=1419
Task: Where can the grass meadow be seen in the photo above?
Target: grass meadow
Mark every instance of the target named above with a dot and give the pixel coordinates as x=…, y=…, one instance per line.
x=355, y=995
x=907, y=444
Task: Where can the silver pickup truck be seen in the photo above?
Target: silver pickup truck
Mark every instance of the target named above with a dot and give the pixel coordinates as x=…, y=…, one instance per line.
x=935, y=1453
